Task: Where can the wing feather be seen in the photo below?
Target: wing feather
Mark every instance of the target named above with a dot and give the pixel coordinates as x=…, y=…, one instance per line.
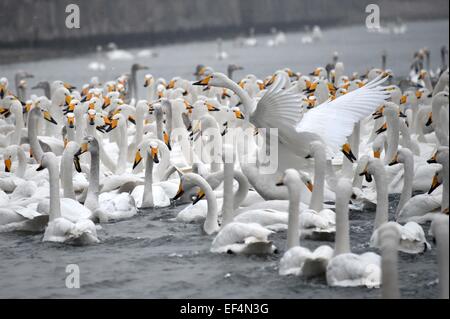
x=334, y=120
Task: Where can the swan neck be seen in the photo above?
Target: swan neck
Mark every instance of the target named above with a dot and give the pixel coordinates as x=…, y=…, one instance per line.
x=247, y=102
x=147, y=199
x=389, y=262
x=55, y=205
x=293, y=236
x=319, y=180
x=33, y=134
x=381, y=214
x=94, y=181
x=66, y=174
x=408, y=177
x=228, y=196
x=342, y=245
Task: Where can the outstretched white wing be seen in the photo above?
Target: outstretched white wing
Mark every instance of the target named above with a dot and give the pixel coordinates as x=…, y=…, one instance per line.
x=334, y=120
x=277, y=109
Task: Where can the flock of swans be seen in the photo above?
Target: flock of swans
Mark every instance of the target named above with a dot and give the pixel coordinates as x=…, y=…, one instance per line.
x=73, y=159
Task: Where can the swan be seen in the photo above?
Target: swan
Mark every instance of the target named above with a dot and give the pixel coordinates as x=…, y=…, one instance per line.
x=235, y=237
x=211, y=224
x=151, y=194
x=106, y=206
x=405, y=157
x=330, y=122
x=413, y=239
x=421, y=208
x=61, y=229
x=298, y=260
x=347, y=269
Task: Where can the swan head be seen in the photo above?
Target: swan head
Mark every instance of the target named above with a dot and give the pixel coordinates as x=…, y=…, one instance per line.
x=373, y=166
x=306, y=179
x=60, y=84
x=47, y=160
x=43, y=104
x=403, y=155
x=70, y=120
x=319, y=72
x=88, y=144
x=215, y=79
x=437, y=180
x=74, y=104
x=149, y=80
x=440, y=156
x=8, y=155
x=291, y=178
x=3, y=87
x=152, y=152
x=237, y=113
x=440, y=99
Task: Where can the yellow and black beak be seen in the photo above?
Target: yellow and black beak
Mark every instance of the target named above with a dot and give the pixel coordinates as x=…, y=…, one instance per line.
x=434, y=184
x=106, y=102
x=310, y=186
x=69, y=86
x=394, y=160
x=40, y=167
x=26, y=108
x=5, y=112
x=200, y=195
x=166, y=138
x=49, y=118
x=203, y=82
x=238, y=114
x=377, y=153
x=112, y=125
x=382, y=129
x=401, y=114
x=346, y=149
x=378, y=113
x=432, y=160
x=83, y=149
x=179, y=193
x=403, y=99
x=68, y=99
x=2, y=91
x=419, y=94
x=189, y=107
x=154, y=153
x=430, y=119
x=8, y=165
x=71, y=121
x=280, y=183
x=171, y=84
x=137, y=159
x=132, y=119
x=211, y=108
x=366, y=174
x=76, y=163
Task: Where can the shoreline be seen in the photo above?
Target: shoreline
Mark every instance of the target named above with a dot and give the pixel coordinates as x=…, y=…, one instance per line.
x=59, y=48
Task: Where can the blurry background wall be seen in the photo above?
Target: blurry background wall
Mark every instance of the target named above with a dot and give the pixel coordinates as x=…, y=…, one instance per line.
x=41, y=23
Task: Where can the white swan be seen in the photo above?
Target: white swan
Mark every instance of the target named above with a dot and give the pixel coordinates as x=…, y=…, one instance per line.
x=59, y=228
x=413, y=239
x=106, y=206
x=330, y=122
x=299, y=260
x=236, y=237
x=347, y=269
x=440, y=227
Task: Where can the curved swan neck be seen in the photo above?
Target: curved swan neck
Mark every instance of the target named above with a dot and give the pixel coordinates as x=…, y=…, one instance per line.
x=242, y=191
x=441, y=233
x=293, y=236
x=36, y=148
x=316, y=202
x=247, y=102
x=211, y=225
